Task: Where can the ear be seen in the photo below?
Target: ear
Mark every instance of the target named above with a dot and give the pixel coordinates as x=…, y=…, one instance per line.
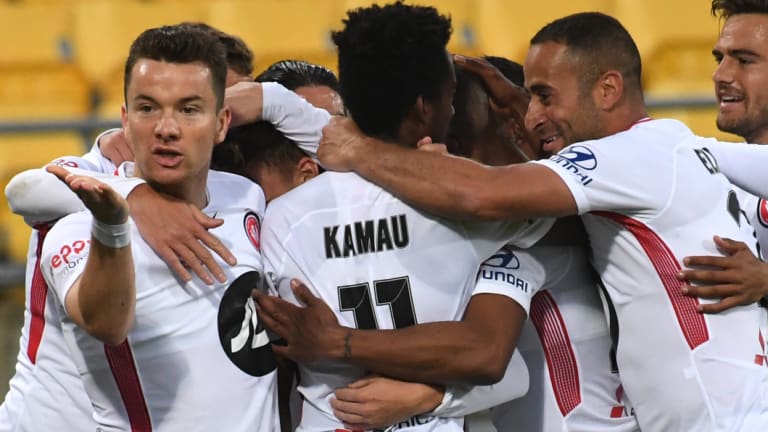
x=423, y=110
x=610, y=90
x=306, y=169
x=222, y=124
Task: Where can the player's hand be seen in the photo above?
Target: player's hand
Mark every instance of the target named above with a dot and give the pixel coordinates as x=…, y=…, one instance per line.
x=505, y=95
x=737, y=279
x=342, y=142
x=245, y=101
x=114, y=146
x=426, y=144
x=508, y=101
x=312, y=332
x=181, y=239
x=377, y=402
x=105, y=204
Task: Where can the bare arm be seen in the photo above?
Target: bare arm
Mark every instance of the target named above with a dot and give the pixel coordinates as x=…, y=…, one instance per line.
x=102, y=300
x=475, y=350
x=446, y=185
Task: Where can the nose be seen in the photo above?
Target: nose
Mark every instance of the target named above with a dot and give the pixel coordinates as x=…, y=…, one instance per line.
x=167, y=128
x=723, y=73
x=534, y=117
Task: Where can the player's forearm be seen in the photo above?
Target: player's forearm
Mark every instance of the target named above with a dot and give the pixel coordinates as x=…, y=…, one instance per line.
x=461, y=188
x=106, y=294
x=444, y=352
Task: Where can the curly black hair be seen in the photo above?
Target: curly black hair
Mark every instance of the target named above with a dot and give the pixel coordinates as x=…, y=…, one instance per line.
x=388, y=57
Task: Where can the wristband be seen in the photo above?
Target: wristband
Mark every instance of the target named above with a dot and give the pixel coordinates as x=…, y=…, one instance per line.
x=114, y=236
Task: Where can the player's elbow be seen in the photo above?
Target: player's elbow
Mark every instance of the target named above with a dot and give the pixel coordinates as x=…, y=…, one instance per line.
x=109, y=334
x=489, y=372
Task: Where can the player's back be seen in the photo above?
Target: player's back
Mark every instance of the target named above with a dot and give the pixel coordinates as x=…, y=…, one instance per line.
x=574, y=385
x=378, y=263
x=666, y=204
x=172, y=372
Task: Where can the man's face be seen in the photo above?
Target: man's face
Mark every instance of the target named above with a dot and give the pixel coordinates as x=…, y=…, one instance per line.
x=471, y=119
x=322, y=97
x=172, y=122
x=561, y=111
x=741, y=77
x=442, y=107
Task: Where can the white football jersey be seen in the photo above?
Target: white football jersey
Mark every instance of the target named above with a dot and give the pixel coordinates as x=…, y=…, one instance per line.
x=196, y=358
x=574, y=384
x=650, y=196
x=379, y=264
x=46, y=392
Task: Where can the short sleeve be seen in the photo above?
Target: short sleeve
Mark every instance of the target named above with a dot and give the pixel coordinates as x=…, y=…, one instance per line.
x=512, y=272
x=65, y=252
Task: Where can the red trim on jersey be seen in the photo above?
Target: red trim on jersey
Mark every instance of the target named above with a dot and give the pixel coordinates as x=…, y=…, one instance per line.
x=561, y=361
x=692, y=323
x=120, y=359
x=38, y=292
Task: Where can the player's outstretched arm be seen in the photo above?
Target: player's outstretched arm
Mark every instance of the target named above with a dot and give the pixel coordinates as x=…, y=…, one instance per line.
x=102, y=300
x=180, y=239
x=475, y=350
x=446, y=185
x=736, y=279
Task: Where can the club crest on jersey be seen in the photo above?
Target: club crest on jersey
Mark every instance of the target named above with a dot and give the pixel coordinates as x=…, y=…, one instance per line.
x=253, y=229
x=576, y=159
x=762, y=212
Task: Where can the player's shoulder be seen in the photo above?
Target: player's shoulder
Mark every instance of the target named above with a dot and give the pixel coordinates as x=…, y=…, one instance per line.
x=327, y=190
x=227, y=190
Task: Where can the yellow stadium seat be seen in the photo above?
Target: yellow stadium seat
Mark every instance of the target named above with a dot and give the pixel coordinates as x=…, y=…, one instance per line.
x=676, y=57
x=103, y=32
x=281, y=29
x=37, y=78
x=19, y=152
x=51, y=91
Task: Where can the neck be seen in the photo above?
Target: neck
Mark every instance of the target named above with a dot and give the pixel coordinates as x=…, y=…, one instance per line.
x=192, y=190
x=758, y=137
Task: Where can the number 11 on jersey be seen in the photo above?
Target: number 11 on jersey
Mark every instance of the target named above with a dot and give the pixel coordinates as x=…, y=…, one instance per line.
x=395, y=293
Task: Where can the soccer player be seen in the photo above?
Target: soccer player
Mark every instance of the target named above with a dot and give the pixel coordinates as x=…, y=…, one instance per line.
x=156, y=352
x=739, y=78
x=648, y=191
x=566, y=344
x=369, y=256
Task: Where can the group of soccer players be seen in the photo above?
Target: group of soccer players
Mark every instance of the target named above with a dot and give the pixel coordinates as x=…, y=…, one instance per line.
x=410, y=287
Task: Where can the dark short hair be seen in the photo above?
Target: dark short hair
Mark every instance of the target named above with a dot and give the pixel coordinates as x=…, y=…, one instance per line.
x=728, y=8
x=388, y=57
x=511, y=70
x=180, y=44
x=600, y=43
x=293, y=74
x=239, y=56
x=255, y=142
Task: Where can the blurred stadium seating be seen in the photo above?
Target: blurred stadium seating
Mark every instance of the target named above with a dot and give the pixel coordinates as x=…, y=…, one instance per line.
x=61, y=60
